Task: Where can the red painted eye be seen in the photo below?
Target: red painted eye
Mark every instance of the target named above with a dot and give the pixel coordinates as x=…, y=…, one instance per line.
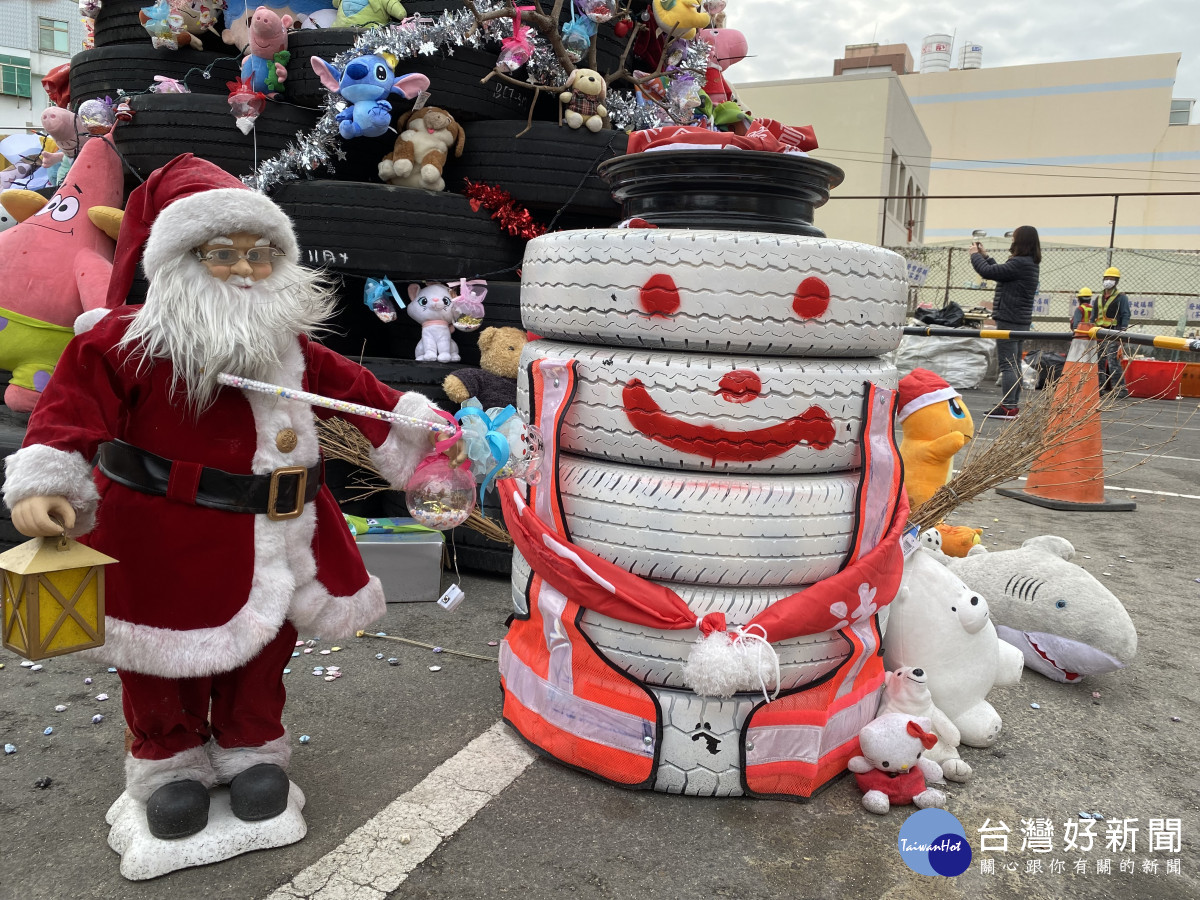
x=740, y=386
x=659, y=296
x=812, y=298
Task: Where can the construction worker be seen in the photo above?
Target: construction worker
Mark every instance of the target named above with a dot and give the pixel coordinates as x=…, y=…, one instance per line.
x=1111, y=310
x=1082, y=314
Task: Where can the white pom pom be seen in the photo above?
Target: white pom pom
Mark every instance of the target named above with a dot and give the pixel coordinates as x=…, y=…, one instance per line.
x=717, y=666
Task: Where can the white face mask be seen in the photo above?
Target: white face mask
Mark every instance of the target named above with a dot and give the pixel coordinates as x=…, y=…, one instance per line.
x=1109, y=284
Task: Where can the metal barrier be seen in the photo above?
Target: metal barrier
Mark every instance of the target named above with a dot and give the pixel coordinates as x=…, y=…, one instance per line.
x=1162, y=341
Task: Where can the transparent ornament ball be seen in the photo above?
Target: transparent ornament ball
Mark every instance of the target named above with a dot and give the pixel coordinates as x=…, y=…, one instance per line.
x=439, y=496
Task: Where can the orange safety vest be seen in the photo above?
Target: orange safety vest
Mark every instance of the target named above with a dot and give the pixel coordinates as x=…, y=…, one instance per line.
x=567, y=699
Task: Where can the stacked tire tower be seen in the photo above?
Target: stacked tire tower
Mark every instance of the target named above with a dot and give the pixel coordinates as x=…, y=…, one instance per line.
x=347, y=221
x=682, y=457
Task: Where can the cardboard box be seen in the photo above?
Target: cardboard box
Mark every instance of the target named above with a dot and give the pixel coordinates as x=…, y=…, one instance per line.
x=409, y=565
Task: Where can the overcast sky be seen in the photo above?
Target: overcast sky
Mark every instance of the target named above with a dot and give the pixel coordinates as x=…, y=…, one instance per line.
x=802, y=38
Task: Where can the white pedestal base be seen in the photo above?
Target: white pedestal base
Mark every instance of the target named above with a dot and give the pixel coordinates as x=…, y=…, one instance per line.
x=145, y=856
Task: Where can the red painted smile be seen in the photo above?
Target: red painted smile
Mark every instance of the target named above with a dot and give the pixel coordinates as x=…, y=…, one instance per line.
x=812, y=426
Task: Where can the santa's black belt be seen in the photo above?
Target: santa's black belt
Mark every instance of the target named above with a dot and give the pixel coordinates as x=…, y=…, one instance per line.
x=280, y=495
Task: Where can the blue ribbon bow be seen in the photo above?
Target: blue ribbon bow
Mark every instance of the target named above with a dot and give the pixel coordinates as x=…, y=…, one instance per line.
x=496, y=442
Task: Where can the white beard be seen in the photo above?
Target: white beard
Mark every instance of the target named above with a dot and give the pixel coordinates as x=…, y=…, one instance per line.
x=205, y=326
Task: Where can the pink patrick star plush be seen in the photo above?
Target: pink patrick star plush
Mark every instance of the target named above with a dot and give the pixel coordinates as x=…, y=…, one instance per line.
x=56, y=265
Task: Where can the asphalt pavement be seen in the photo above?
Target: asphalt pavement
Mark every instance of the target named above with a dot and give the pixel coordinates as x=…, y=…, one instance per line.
x=494, y=821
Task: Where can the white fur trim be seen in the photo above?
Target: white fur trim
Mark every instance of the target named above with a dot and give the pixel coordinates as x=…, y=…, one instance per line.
x=397, y=457
x=145, y=776
x=315, y=611
x=40, y=470
x=86, y=321
x=924, y=400
x=284, y=584
x=228, y=763
x=190, y=221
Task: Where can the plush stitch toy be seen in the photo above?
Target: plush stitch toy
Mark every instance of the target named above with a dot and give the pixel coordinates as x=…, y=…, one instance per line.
x=367, y=12
x=906, y=691
x=679, y=18
x=1065, y=623
x=365, y=83
x=417, y=160
x=940, y=625
x=936, y=426
x=56, y=264
x=892, y=771
x=585, y=95
x=494, y=383
x=431, y=306
x=265, y=63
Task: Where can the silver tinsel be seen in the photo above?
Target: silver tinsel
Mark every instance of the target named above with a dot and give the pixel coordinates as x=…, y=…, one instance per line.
x=313, y=149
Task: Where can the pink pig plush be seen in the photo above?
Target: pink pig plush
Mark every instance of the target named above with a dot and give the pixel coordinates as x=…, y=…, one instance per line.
x=56, y=265
x=266, y=57
x=729, y=47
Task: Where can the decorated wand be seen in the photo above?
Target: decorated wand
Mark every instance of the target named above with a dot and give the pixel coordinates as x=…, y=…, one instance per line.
x=264, y=387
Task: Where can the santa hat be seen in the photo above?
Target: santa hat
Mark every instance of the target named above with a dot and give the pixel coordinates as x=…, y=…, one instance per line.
x=179, y=207
x=921, y=388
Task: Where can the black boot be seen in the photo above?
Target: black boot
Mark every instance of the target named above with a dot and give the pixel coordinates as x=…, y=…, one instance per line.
x=178, y=809
x=260, y=792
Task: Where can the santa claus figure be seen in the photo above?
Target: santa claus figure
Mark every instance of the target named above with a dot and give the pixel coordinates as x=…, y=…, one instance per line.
x=210, y=497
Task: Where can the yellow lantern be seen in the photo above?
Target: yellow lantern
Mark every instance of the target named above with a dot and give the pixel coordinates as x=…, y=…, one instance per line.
x=53, y=597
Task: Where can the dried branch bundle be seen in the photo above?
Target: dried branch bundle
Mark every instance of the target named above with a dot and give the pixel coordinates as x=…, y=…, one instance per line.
x=1049, y=418
x=341, y=440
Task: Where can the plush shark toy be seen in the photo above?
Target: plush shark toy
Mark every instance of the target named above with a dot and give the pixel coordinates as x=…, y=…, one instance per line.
x=1065, y=623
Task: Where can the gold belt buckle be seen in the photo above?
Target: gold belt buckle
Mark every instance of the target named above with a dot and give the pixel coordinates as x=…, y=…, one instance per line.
x=273, y=495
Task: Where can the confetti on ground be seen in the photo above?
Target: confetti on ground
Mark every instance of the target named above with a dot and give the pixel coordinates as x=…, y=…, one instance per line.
x=379, y=656
x=497, y=643
x=325, y=652
x=1176, y=719
x=62, y=707
x=25, y=664
x=87, y=681
x=336, y=649
x=43, y=783
x=49, y=731
x=287, y=671
x=36, y=667
x=102, y=697
x=435, y=668
x=112, y=670
x=1095, y=695
x=97, y=719
x=10, y=749
x=1034, y=706
x=304, y=739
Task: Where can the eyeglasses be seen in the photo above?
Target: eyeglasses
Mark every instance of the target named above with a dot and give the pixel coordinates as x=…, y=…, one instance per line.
x=227, y=256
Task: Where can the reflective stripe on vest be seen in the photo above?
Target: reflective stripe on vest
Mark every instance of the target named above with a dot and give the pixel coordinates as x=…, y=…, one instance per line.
x=802, y=740
x=1104, y=307
x=559, y=693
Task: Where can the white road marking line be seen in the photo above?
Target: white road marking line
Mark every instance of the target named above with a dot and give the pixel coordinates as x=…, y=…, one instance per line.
x=372, y=862
x=1129, y=490
x=1151, y=455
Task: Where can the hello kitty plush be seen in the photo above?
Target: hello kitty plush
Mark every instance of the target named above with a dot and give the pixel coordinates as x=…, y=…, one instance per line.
x=431, y=306
x=892, y=770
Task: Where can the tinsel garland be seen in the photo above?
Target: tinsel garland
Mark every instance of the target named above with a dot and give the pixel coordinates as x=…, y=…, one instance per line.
x=320, y=146
x=514, y=219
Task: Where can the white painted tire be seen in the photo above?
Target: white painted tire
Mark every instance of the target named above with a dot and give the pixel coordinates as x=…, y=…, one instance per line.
x=737, y=291
x=711, y=392
x=700, y=753
x=656, y=656
x=745, y=531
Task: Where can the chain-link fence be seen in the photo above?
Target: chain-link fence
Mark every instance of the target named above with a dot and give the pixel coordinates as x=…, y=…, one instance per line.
x=1163, y=286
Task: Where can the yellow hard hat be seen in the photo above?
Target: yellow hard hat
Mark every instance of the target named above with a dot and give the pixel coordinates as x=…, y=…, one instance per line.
x=1085, y=292
x=1112, y=272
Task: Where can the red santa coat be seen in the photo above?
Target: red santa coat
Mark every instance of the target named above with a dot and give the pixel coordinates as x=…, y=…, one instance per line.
x=199, y=590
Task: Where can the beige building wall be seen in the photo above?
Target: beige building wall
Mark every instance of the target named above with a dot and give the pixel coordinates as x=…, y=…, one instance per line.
x=1093, y=126
x=866, y=126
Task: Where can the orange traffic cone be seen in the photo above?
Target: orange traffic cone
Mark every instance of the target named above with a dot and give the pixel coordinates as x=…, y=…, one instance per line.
x=1070, y=475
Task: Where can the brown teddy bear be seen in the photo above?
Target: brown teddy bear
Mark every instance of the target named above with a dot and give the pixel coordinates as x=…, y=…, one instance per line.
x=417, y=159
x=495, y=384
x=585, y=95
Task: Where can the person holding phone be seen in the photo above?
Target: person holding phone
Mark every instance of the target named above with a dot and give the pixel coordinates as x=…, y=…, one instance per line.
x=1016, y=284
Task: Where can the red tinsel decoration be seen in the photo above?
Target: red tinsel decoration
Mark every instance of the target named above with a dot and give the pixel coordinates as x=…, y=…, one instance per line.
x=514, y=219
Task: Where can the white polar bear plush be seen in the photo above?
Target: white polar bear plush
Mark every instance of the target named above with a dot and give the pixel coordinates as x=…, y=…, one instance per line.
x=940, y=625
x=906, y=691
